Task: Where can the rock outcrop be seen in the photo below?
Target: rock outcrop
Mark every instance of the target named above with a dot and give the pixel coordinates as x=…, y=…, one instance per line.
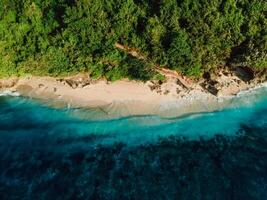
x=78, y=81
x=8, y=83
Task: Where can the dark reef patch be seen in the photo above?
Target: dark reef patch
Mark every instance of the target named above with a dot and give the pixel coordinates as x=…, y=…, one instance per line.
x=173, y=168
x=48, y=154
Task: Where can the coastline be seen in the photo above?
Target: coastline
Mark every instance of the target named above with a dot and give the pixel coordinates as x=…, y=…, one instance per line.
x=126, y=98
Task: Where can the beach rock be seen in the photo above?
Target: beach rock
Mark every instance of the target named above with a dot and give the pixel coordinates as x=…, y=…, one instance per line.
x=160, y=82
x=179, y=82
x=210, y=76
x=8, y=83
x=213, y=83
x=79, y=81
x=152, y=87
x=210, y=88
x=166, y=92
x=60, y=80
x=261, y=76
x=155, y=85
x=213, y=90
x=206, y=76
x=41, y=85
x=159, y=91
x=80, y=85
x=71, y=83
x=244, y=73
x=226, y=73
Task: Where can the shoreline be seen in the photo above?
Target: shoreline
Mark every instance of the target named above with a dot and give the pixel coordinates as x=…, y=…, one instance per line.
x=124, y=98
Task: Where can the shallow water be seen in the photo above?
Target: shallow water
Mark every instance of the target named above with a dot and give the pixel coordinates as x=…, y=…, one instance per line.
x=53, y=154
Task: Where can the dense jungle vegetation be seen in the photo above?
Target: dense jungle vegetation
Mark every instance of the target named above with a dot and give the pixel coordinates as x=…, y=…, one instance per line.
x=61, y=37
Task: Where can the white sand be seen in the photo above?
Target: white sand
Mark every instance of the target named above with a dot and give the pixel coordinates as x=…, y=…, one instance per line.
x=123, y=98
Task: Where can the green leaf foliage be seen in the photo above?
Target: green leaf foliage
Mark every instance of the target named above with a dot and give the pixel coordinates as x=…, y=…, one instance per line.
x=59, y=37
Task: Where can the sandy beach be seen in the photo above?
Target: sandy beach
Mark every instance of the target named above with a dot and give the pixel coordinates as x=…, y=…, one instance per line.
x=124, y=98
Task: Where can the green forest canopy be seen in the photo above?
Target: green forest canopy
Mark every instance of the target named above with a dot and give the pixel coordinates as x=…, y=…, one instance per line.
x=61, y=37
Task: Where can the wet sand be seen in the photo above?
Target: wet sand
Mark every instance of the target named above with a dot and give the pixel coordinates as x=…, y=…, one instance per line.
x=123, y=98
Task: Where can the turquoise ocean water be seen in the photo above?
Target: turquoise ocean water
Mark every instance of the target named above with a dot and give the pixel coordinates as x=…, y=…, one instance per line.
x=51, y=153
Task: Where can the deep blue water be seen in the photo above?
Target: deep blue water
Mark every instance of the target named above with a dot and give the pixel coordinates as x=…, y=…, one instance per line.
x=51, y=153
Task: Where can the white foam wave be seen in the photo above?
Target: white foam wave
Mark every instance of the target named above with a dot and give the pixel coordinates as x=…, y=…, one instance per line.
x=264, y=84
x=9, y=93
